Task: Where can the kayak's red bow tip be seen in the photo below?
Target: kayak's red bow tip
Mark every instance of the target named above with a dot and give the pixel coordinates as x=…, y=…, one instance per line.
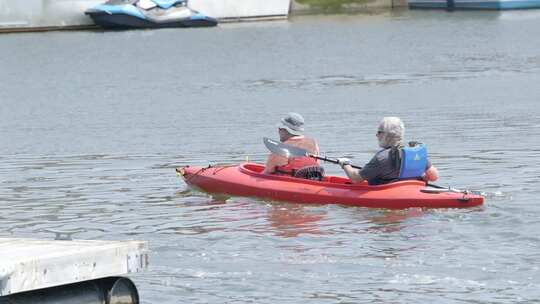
x=180, y=171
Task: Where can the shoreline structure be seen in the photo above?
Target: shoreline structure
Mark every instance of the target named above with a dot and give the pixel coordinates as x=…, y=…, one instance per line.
x=46, y=15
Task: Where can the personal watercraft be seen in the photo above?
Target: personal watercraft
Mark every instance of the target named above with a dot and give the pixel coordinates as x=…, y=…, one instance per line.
x=125, y=14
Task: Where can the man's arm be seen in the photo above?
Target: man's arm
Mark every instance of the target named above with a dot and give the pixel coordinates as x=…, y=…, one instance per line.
x=369, y=171
x=431, y=174
x=274, y=161
x=353, y=174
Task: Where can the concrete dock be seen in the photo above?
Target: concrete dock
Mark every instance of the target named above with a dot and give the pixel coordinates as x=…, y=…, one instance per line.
x=30, y=264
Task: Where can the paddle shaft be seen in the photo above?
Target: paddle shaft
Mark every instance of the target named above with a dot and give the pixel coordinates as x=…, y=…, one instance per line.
x=436, y=186
x=450, y=189
x=330, y=160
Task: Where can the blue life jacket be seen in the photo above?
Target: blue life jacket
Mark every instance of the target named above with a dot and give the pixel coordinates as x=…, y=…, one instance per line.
x=413, y=161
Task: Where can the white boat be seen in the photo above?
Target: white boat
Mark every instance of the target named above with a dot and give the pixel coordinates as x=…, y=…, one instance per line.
x=474, y=4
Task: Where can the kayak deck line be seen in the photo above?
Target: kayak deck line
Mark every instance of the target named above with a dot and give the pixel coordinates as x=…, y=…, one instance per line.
x=248, y=179
x=181, y=172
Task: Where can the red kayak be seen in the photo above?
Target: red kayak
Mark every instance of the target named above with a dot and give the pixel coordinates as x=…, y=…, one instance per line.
x=247, y=179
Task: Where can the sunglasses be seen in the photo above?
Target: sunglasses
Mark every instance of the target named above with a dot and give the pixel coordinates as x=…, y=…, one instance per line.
x=380, y=132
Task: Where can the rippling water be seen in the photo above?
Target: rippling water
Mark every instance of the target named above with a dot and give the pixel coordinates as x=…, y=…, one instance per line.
x=92, y=125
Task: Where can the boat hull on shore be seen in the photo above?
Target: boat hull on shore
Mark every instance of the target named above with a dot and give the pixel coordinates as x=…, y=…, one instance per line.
x=109, y=21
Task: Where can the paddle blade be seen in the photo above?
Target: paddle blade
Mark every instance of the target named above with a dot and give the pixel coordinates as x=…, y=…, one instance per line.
x=282, y=149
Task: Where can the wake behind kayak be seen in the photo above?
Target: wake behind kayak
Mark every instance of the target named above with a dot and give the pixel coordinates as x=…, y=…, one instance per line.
x=247, y=179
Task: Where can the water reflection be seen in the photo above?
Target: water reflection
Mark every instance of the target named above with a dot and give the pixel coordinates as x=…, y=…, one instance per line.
x=391, y=221
x=292, y=220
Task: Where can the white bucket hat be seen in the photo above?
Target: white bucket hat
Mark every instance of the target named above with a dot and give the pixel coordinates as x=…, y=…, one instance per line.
x=393, y=131
x=293, y=123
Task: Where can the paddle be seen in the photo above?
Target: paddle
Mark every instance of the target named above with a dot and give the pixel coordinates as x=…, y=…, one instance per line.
x=282, y=149
x=439, y=189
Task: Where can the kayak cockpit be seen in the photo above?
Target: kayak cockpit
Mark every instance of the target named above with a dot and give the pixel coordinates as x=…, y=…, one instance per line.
x=256, y=170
